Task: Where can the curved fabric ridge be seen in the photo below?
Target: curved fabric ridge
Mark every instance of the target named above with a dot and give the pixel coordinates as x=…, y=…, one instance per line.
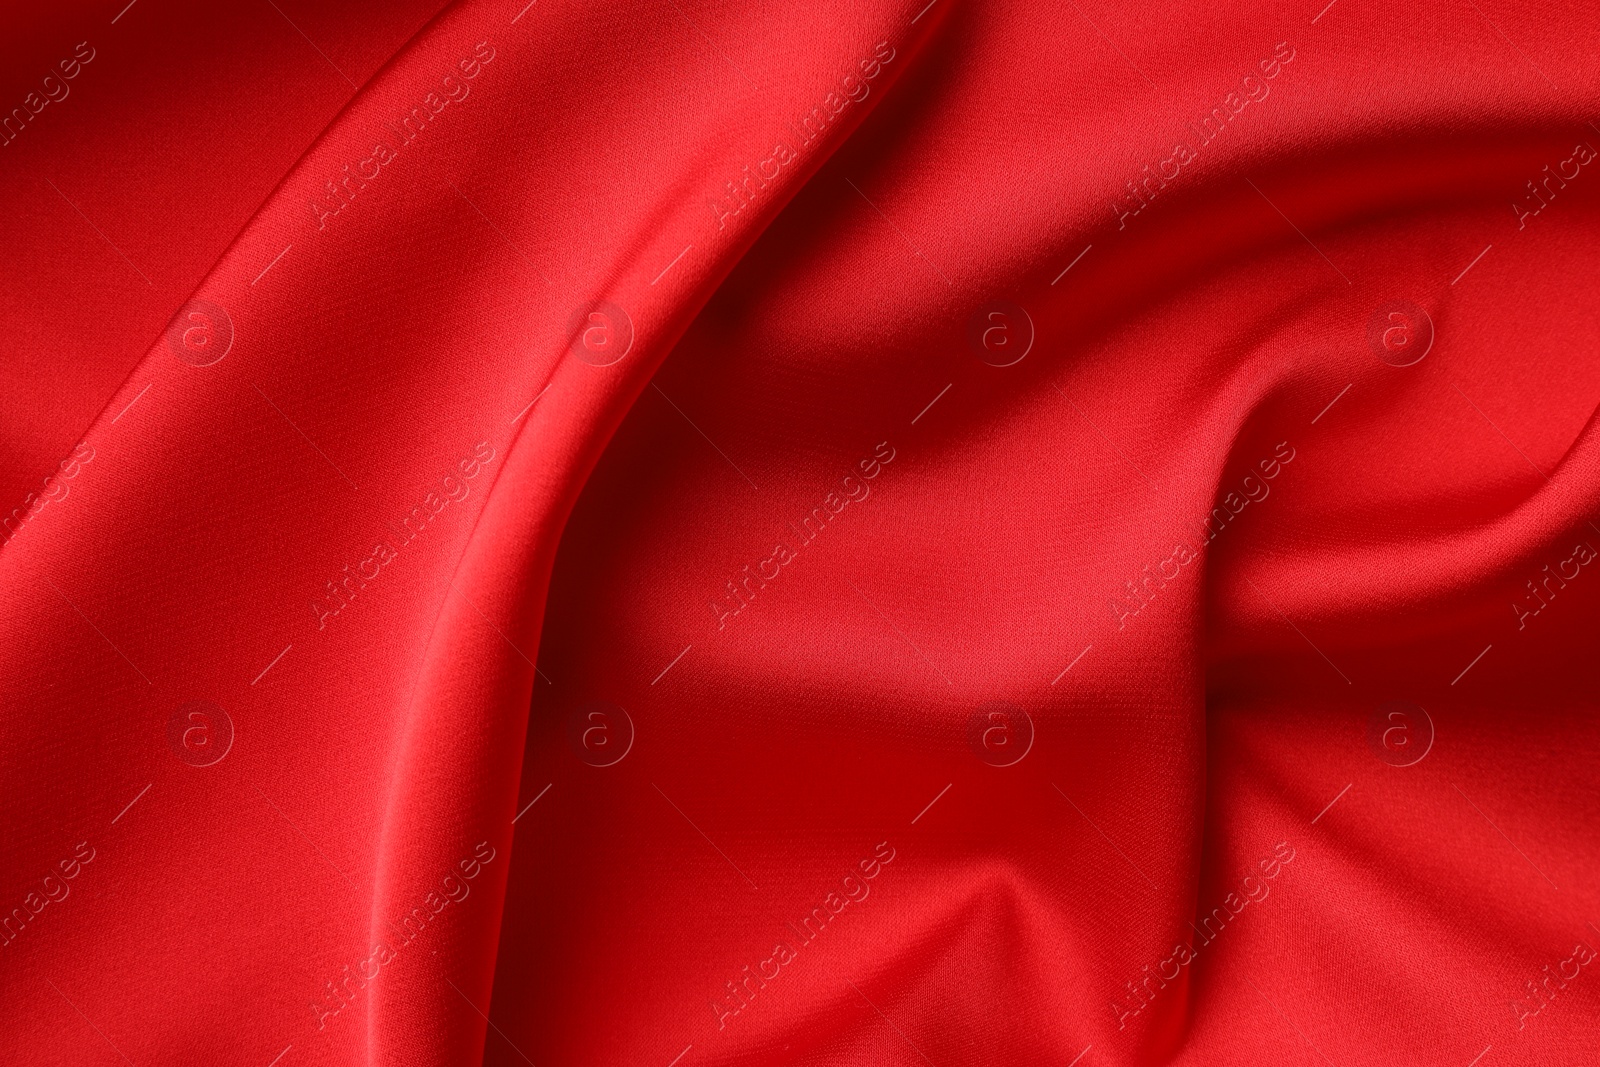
x=443, y=149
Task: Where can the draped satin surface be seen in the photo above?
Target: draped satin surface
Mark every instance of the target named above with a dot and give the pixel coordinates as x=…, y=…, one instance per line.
x=694, y=532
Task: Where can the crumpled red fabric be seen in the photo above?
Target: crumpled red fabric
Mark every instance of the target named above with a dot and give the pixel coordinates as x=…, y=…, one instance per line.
x=677, y=532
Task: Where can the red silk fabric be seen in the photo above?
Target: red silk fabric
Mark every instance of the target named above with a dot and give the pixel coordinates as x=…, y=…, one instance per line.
x=688, y=532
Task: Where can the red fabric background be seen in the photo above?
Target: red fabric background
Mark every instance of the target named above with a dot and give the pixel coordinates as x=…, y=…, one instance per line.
x=1190, y=548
